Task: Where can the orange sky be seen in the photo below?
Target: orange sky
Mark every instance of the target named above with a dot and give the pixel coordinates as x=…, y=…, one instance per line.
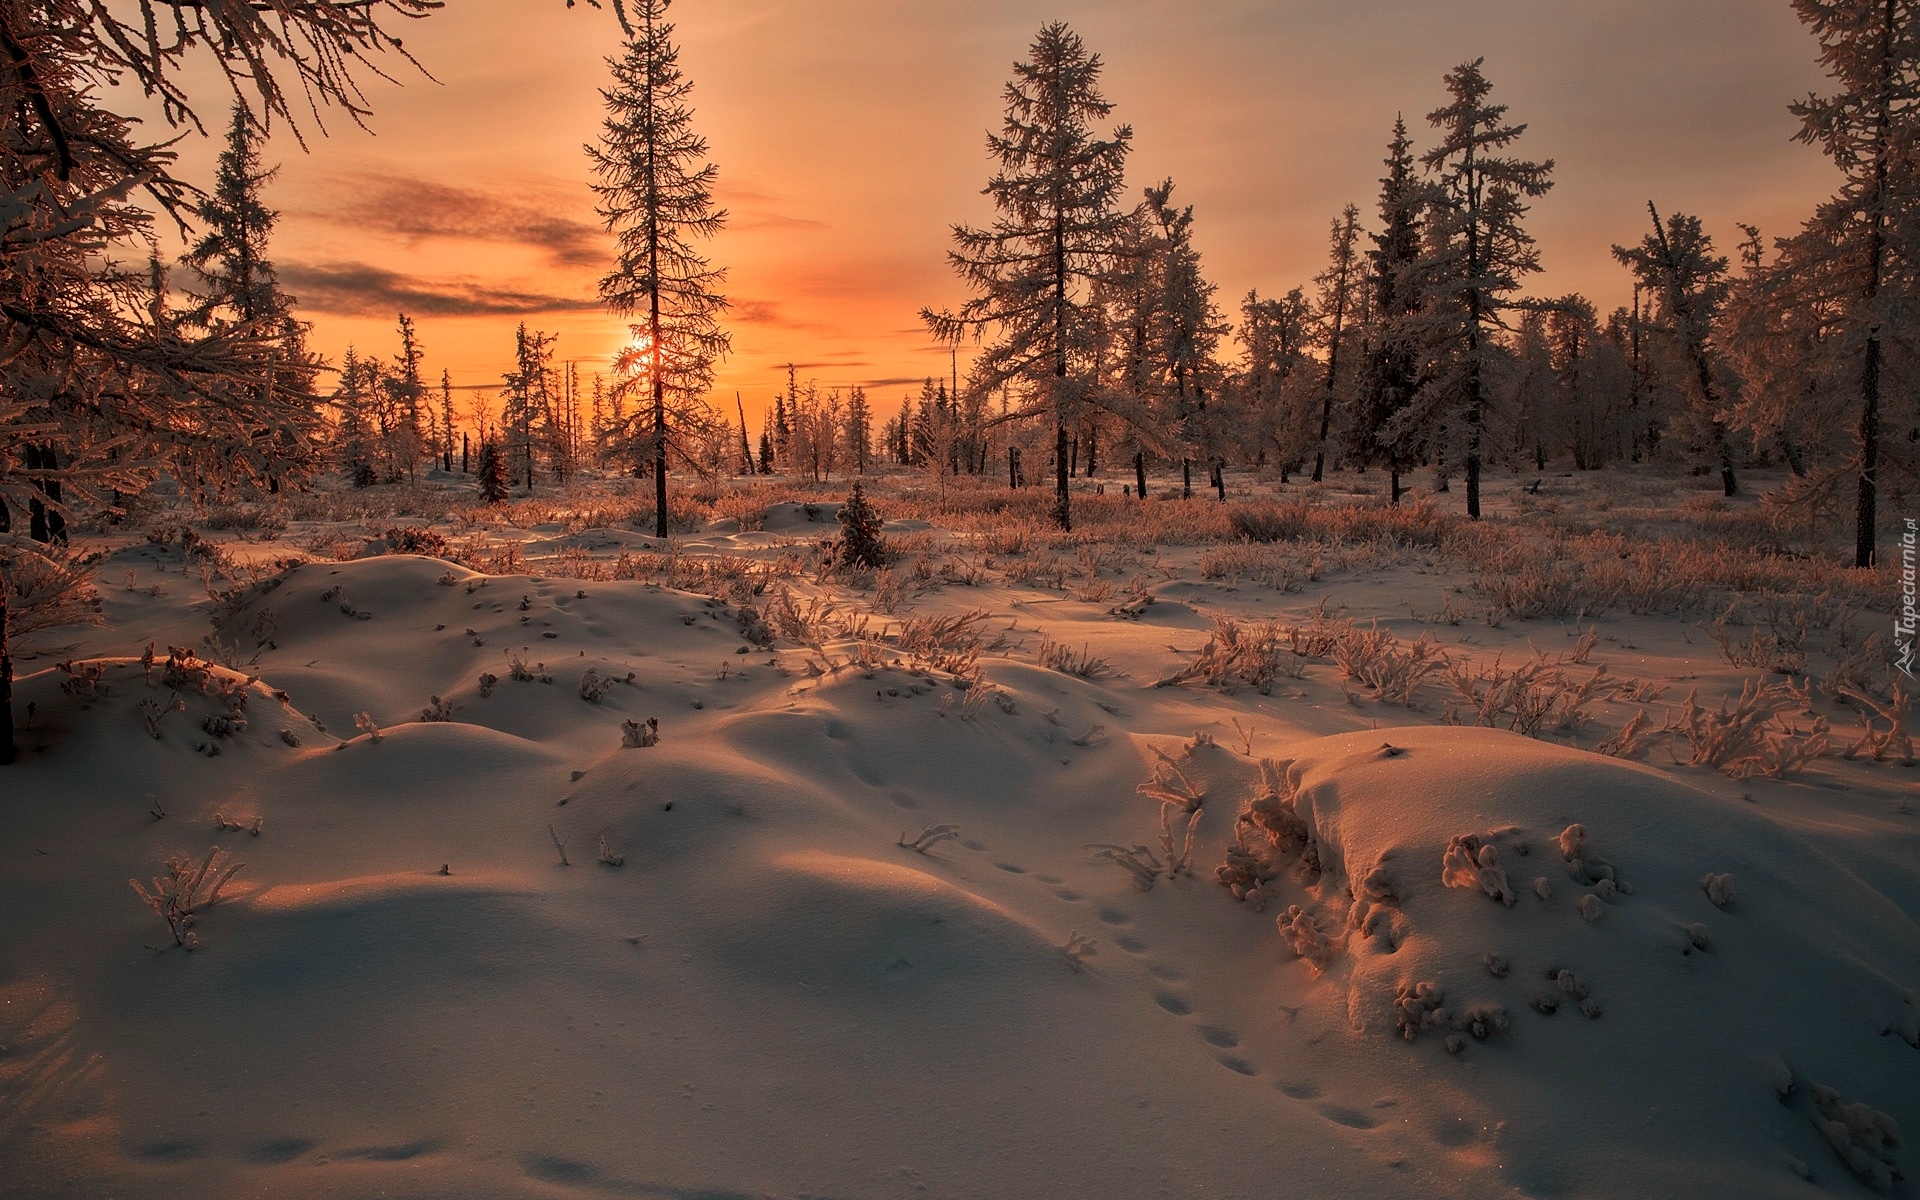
x=849, y=137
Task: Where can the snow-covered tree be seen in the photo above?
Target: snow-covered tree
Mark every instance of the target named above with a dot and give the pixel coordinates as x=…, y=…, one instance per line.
x=99, y=393
x=1676, y=265
x=1337, y=285
x=406, y=436
x=1476, y=251
x=1863, y=245
x=655, y=193
x=859, y=429
x=1053, y=236
x=1398, y=296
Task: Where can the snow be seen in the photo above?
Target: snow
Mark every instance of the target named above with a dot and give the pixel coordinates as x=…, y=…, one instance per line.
x=404, y=992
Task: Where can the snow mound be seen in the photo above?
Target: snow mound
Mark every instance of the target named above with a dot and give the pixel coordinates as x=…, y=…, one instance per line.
x=1807, y=969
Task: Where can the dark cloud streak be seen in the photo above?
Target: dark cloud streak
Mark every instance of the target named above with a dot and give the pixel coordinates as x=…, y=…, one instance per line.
x=407, y=207
x=353, y=289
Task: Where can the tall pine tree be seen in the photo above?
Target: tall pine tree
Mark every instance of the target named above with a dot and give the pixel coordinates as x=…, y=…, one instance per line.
x=656, y=194
x=1865, y=241
x=1052, y=237
x=1477, y=249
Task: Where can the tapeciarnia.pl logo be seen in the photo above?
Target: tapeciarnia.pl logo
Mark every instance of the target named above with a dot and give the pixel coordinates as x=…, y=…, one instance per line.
x=1904, y=620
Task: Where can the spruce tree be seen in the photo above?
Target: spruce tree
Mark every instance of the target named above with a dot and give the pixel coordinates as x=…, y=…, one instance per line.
x=1053, y=236
x=1676, y=264
x=1392, y=368
x=237, y=281
x=1864, y=243
x=407, y=441
x=656, y=195
x=1337, y=285
x=1477, y=250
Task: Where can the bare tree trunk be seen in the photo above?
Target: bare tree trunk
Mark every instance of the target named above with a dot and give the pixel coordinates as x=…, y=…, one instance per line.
x=1140, y=473
x=8, y=750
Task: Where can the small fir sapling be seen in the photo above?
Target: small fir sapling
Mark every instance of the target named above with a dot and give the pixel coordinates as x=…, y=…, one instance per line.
x=491, y=473
x=859, y=545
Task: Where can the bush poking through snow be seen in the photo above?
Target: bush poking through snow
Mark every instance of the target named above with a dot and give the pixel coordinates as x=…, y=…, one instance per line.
x=607, y=856
x=437, y=710
x=1078, y=949
x=1863, y=1138
x=1137, y=861
x=1417, y=1007
x=929, y=837
x=1719, y=889
x=640, y=734
x=1267, y=834
x=1472, y=862
x=365, y=723
x=1177, y=796
x=1482, y=1021
x=224, y=824
x=1304, y=938
x=1591, y=907
x=594, y=685
x=178, y=896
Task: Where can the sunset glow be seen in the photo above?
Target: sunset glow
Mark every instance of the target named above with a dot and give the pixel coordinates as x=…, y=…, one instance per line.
x=849, y=138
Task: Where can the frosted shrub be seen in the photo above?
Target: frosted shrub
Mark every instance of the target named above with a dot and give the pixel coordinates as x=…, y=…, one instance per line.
x=1304, y=938
x=1178, y=796
x=365, y=723
x=1137, y=861
x=929, y=837
x=1865, y=1139
x=1471, y=862
x=1418, y=1006
x=1268, y=833
x=1719, y=889
x=185, y=890
x=638, y=735
x=594, y=685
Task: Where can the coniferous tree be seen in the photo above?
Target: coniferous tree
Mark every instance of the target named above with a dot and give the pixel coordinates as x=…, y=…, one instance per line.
x=490, y=472
x=656, y=195
x=1185, y=336
x=1393, y=363
x=1863, y=245
x=1053, y=236
x=407, y=441
x=1337, y=285
x=446, y=421
x=1676, y=265
x=1477, y=250
x=354, y=424
x=237, y=281
x=859, y=429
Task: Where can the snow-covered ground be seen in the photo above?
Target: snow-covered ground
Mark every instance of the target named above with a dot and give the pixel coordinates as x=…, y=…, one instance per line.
x=1454, y=961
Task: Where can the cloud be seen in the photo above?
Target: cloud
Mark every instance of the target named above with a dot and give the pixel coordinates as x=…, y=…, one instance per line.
x=754, y=312
x=407, y=207
x=352, y=289
x=770, y=220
